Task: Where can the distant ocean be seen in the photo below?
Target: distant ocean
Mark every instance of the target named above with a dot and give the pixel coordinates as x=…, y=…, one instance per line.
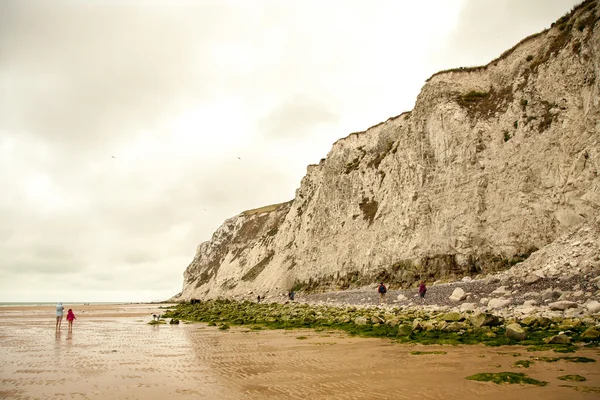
x=33, y=303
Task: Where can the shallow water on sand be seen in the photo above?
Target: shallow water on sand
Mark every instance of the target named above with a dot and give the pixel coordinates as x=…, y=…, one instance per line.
x=113, y=353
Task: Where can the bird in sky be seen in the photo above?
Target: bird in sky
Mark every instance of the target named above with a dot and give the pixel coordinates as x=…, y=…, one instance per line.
x=113, y=157
x=239, y=158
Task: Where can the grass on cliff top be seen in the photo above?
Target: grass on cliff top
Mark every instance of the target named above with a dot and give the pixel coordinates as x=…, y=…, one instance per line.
x=506, y=377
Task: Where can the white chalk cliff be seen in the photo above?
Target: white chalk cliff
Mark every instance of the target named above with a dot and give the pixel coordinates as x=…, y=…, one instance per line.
x=493, y=163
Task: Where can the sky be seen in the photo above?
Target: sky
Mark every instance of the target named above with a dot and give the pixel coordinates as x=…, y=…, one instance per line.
x=130, y=130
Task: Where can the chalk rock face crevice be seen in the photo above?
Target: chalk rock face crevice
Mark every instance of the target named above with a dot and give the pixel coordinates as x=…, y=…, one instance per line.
x=492, y=164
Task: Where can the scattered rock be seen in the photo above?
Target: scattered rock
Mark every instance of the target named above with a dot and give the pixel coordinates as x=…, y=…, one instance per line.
x=593, y=306
x=401, y=297
x=405, y=330
x=559, y=339
x=562, y=305
x=516, y=332
x=458, y=295
x=452, y=316
x=485, y=319
x=591, y=333
x=499, y=303
x=551, y=295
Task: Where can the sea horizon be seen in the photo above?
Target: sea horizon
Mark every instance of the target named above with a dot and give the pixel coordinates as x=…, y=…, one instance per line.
x=53, y=303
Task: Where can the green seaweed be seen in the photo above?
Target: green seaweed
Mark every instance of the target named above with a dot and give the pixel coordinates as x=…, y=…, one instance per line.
x=302, y=337
x=523, y=363
x=574, y=378
x=556, y=348
x=506, y=377
x=420, y=353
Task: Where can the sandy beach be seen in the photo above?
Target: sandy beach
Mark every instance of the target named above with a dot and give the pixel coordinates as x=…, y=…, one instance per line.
x=112, y=353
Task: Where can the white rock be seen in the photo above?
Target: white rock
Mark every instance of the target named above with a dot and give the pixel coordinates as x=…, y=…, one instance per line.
x=530, y=303
x=499, y=303
x=500, y=290
x=401, y=297
x=467, y=307
x=467, y=279
x=593, y=306
x=484, y=301
x=562, y=305
x=458, y=295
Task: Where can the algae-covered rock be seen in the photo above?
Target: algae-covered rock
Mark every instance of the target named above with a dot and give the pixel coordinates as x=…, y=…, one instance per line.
x=393, y=322
x=174, y=321
x=404, y=330
x=454, y=327
x=429, y=326
x=360, y=320
x=569, y=324
x=515, y=331
x=528, y=321
x=416, y=325
x=452, y=316
x=591, y=333
x=485, y=319
x=558, y=339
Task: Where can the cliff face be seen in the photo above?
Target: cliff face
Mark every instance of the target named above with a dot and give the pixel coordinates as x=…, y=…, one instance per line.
x=492, y=164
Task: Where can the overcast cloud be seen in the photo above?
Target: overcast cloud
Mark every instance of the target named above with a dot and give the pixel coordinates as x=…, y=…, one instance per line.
x=130, y=130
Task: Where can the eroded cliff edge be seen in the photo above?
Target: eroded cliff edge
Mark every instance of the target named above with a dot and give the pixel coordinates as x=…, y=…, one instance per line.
x=493, y=163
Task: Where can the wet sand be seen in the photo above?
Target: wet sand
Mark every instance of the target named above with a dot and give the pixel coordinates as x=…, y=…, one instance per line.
x=113, y=353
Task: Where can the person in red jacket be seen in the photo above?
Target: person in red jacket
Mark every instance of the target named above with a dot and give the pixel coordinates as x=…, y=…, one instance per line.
x=422, y=290
x=70, y=318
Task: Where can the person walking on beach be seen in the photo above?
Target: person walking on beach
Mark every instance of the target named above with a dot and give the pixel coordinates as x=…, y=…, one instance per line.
x=382, y=291
x=59, y=315
x=70, y=318
x=422, y=290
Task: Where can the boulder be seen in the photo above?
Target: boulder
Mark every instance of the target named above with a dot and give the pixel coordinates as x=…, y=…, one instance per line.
x=401, y=297
x=591, y=333
x=404, y=330
x=360, y=320
x=452, y=316
x=484, y=301
x=562, y=305
x=593, y=306
x=485, y=319
x=529, y=303
x=499, y=303
x=454, y=327
x=458, y=295
x=467, y=307
x=393, y=322
x=558, y=339
x=531, y=279
x=515, y=331
x=501, y=290
x=551, y=295
x=416, y=325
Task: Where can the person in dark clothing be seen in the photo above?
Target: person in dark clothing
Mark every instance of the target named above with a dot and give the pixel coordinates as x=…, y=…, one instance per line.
x=382, y=291
x=422, y=290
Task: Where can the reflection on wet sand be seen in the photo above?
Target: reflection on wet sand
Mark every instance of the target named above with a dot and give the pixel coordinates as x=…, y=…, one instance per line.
x=115, y=353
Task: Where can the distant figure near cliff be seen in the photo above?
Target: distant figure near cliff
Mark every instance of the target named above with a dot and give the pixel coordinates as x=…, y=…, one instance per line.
x=382, y=291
